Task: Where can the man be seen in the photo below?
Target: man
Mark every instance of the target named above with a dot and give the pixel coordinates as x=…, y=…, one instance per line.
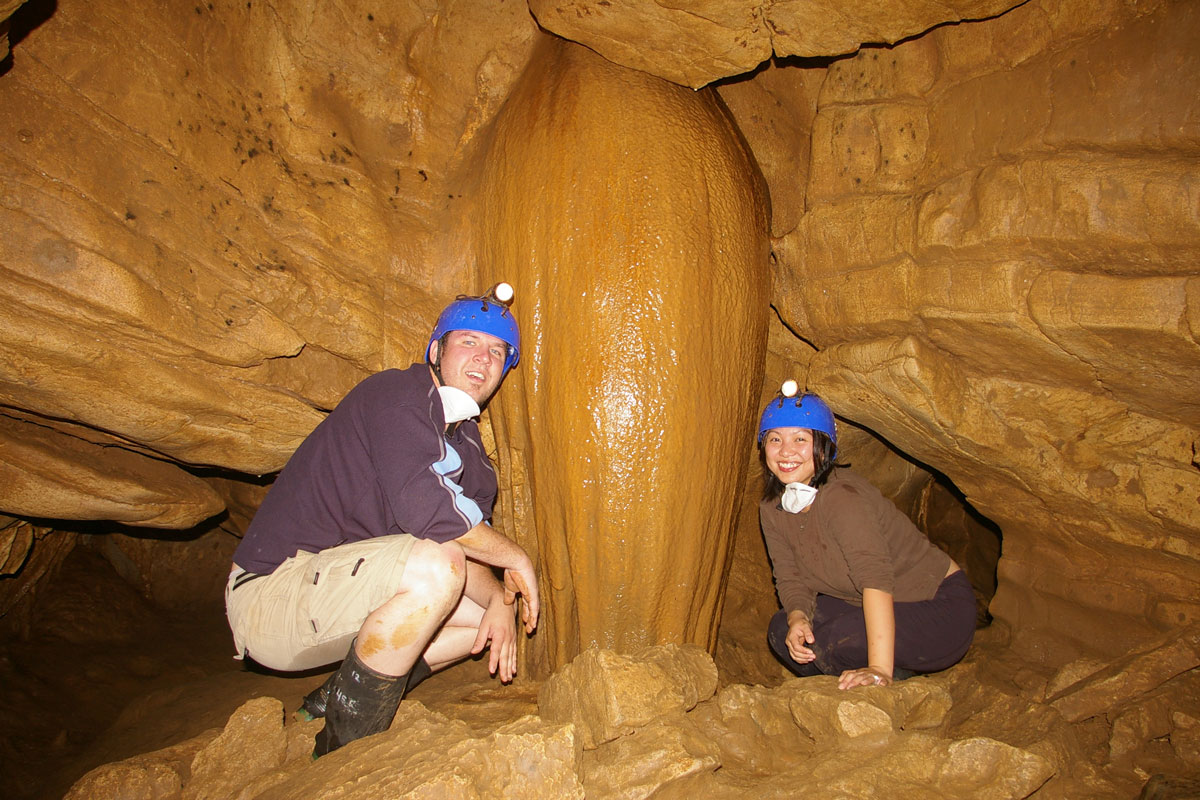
x=374, y=544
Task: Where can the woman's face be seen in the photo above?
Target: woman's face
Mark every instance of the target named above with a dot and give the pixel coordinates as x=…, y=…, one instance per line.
x=789, y=454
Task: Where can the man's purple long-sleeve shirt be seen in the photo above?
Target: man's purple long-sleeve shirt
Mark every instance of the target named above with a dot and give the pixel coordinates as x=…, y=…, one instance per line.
x=378, y=465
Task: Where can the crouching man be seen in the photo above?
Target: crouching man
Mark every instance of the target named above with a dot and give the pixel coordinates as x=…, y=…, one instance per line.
x=373, y=546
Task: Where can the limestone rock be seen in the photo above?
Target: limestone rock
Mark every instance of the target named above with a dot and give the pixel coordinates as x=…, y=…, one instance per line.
x=252, y=743
x=911, y=766
x=986, y=248
x=1168, y=713
x=923, y=766
x=426, y=755
x=699, y=43
x=831, y=716
x=1072, y=673
x=647, y=190
x=690, y=46
x=70, y=612
x=825, y=27
x=51, y=475
x=153, y=776
x=1133, y=727
x=1170, y=787
x=31, y=554
x=606, y=695
x=16, y=540
x=980, y=299
x=6, y=10
x=208, y=295
x=754, y=729
x=253, y=752
x=526, y=758
x=1185, y=737
x=638, y=765
x=1130, y=676
x=987, y=768
x=749, y=601
x=133, y=779
x=775, y=112
x=172, y=573
x=987, y=705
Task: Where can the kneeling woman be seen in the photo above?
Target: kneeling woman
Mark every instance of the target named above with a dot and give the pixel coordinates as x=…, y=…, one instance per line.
x=865, y=595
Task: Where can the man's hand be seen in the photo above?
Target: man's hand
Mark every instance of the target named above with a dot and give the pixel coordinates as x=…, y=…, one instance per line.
x=500, y=630
x=486, y=546
x=523, y=582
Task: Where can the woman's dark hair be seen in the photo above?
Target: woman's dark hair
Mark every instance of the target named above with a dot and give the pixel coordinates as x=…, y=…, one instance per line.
x=823, y=453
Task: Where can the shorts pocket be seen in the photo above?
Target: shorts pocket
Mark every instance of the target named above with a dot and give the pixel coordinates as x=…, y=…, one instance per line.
x=334, y=602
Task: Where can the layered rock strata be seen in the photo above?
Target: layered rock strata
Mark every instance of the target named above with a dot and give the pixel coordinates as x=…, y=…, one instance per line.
x=996, y=267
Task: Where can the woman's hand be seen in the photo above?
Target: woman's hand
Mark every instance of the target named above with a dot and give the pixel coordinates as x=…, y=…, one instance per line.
x=799, y=637
x=867, y=676
x=880, y=616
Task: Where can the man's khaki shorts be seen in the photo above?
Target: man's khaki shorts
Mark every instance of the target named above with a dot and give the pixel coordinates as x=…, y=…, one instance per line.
x=306, y=613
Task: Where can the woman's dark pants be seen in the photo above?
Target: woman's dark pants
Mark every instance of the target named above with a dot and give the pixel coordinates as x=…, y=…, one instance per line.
x=930, y=635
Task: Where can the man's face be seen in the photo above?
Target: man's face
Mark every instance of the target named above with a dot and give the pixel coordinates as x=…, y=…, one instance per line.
x=473, y=362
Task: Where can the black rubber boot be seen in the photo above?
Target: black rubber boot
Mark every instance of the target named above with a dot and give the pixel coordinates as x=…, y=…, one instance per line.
x=315, y=701
x=418, y=673
x=361, y=702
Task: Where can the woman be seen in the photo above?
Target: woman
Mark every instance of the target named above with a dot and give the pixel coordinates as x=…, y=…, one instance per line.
x=864, y=593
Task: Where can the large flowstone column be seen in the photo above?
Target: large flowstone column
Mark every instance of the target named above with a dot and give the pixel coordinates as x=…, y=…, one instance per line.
x=631, y=219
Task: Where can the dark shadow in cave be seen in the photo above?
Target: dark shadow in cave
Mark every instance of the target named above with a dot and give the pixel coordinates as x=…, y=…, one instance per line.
x=96, y=644
x=26, y=18
x=85, y=648
x=944, y=513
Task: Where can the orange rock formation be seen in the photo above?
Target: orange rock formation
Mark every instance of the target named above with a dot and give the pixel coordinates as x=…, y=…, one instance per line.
x=632, y=221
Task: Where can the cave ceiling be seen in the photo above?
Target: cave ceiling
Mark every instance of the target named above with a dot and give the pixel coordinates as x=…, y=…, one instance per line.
x=694, y=44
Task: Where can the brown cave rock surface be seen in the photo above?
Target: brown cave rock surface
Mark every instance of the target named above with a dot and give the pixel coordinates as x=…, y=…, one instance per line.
x=971, y=226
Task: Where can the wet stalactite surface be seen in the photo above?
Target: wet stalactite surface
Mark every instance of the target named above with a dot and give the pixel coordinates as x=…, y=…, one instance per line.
x=976, y=239
x=635, y=219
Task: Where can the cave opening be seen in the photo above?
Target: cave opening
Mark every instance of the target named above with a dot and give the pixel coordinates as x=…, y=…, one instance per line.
x=944, y=513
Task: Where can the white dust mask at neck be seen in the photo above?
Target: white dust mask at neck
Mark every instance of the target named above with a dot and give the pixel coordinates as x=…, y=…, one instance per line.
x=457, y=405
x=797, y=497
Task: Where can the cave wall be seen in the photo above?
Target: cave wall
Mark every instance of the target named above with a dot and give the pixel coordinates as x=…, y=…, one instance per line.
x=997, y=267
x=984, y=236
x=215, y=223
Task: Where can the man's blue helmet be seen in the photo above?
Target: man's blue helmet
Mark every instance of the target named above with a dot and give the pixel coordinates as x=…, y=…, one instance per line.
x=487, y=314
x=788, y=411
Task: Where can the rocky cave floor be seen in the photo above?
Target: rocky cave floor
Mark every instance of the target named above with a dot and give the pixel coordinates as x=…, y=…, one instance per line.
x=105, y=677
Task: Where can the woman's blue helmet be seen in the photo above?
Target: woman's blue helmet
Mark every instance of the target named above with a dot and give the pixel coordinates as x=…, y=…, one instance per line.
x=788, y=411
x=487, y=314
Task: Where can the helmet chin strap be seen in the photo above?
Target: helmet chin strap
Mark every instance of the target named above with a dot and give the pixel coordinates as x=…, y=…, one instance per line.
x=436, y=364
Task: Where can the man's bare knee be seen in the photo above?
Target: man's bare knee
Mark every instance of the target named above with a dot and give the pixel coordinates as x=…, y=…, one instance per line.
x=435, y=569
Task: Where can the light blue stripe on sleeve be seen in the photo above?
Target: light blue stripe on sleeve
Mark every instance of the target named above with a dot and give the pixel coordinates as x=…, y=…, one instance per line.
x=452, y=465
